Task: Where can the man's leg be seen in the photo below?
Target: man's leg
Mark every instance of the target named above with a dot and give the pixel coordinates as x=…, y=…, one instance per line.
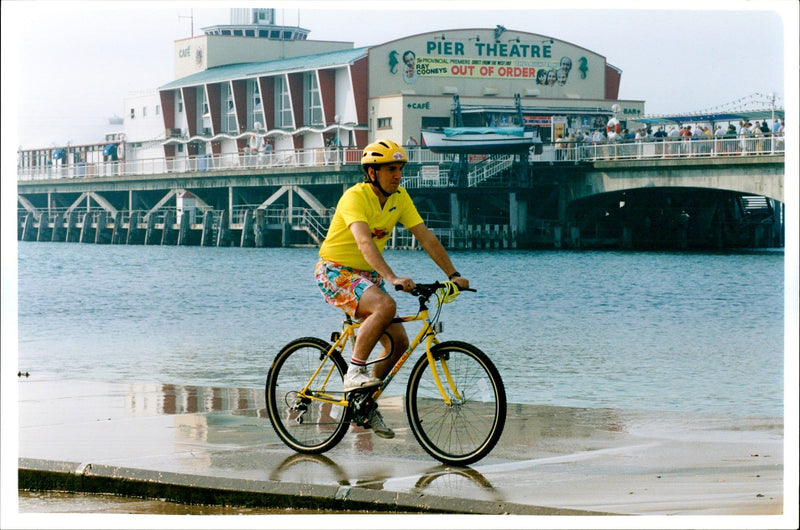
x=377, y=309
x=398, y=343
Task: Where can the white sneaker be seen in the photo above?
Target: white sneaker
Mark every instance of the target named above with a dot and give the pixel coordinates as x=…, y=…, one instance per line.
x=358, y=378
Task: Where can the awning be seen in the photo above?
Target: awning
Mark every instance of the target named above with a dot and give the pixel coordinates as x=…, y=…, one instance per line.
x=59, y=154
x=110, y=150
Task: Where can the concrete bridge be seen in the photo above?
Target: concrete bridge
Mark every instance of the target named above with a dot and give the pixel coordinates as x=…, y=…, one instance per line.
x=753, y=175
x=553, y=200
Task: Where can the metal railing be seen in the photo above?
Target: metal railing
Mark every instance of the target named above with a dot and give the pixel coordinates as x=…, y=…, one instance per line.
x=670, y=148
x=419, y=158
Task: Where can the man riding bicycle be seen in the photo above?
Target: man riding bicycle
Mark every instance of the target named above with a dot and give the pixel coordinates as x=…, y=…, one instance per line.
x=352, y=273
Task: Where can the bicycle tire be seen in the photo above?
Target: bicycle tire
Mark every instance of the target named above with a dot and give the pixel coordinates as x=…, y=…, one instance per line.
x=321, y=425
x=467, y=430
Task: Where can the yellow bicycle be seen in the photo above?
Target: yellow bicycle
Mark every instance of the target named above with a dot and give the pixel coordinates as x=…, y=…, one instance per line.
x=455, y=401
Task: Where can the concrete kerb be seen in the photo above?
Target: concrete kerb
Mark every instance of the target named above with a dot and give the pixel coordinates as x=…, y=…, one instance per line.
x=51, y=475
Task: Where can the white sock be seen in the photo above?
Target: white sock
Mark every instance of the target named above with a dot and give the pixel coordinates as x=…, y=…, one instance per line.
x=353, y=368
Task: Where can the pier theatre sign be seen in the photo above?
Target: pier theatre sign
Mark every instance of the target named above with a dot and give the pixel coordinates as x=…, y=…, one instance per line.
x=487, y=60
x=554, y=67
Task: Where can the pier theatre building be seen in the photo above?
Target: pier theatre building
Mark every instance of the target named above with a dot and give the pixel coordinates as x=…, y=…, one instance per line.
x=275, y=122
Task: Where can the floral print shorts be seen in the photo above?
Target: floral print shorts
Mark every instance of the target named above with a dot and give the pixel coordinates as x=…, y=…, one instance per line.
x=343, y=286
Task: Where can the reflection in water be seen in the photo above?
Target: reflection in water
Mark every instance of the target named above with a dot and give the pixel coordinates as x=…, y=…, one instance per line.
x=455, y=482
x=156, y=398
x=314, y=469
x=303, y=465
x=439, y=480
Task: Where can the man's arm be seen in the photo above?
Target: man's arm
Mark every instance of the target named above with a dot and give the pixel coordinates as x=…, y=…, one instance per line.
x=363, y=238
x=437, y=252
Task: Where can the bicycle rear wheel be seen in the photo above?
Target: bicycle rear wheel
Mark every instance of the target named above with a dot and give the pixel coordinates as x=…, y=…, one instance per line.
x=465, y=431
x=304, y=424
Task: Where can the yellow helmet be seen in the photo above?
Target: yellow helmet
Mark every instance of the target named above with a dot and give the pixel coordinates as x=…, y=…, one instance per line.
x=383, y=152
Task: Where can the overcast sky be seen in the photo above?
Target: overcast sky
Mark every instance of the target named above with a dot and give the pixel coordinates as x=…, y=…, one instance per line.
x=74, y=62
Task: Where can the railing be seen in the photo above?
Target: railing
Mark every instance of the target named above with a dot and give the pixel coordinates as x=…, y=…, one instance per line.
x=670, y=148
x=419, y=157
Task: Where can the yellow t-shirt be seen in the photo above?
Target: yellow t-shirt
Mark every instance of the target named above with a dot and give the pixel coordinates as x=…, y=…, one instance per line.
x=359, y=203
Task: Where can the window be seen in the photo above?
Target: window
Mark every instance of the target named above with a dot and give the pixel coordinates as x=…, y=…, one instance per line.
x=256, y=108
x=204, y=117
x=312, y=101
x=158, y=110
x=228, y=110
x=144, y=112
x=133, y=113
x=283, y=104
x=384, y=123
x=179, y=100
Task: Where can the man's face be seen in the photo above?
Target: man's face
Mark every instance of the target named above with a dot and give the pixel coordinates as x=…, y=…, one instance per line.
x=389, y=176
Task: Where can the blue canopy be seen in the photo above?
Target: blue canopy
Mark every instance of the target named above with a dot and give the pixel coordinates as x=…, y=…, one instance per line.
x=110, y=150
x=59, y=154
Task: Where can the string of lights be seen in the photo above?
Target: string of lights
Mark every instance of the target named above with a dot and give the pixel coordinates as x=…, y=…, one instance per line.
x=756, y=101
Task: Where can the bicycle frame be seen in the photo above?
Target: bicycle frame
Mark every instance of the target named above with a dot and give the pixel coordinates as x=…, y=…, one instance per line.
x=348, y=334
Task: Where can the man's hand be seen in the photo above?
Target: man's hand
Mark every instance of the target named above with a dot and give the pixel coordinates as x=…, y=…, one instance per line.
x=462, y=282
x=406, y=284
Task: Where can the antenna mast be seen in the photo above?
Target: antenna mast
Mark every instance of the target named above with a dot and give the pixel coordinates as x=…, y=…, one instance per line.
x=191, y=18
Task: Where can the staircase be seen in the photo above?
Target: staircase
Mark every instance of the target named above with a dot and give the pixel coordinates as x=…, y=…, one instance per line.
x=489, y=168
x=315, y=225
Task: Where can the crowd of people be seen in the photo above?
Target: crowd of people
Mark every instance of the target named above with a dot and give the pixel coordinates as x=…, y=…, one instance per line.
x=674, y=140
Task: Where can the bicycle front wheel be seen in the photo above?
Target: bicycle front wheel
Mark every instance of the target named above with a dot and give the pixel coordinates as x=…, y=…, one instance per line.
x=468, y=428
x=307, y=422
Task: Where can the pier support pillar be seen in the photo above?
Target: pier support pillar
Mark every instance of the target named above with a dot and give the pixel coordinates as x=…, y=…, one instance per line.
x=458, y=221
x=101, y=232
x=59, y=233
x=169, y=235
x=224, y=234
x=561, y=230
x=207, y=239
x=149, y=235
x=248, y=238
x=28, y=228
x=134, y=235
x=518, y=219
x=44, y=233
x=184, y=229
x=73, y=233
x=86, y=228
x=260, y=228
x=286, y=235
x=116, y=233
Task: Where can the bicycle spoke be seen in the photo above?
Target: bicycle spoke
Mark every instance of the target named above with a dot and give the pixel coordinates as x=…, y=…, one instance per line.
x=306, y=422
x=467, y=429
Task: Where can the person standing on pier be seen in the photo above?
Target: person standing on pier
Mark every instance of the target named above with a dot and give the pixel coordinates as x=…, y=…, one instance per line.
x=353, y=275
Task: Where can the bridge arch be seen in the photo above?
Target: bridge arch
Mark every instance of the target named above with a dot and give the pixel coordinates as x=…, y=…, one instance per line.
x=757, y=175
x=678, y=217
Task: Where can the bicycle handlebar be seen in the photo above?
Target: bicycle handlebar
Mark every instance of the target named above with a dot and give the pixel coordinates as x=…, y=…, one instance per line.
x=427, y=289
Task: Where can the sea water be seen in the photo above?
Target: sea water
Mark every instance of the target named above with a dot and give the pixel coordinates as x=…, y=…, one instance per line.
x=693, y=332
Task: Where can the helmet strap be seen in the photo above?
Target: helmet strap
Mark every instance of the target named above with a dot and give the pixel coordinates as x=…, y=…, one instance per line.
x=374, y=182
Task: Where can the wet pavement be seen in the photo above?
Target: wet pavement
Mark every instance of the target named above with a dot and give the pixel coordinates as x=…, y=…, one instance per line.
x=215, y=445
